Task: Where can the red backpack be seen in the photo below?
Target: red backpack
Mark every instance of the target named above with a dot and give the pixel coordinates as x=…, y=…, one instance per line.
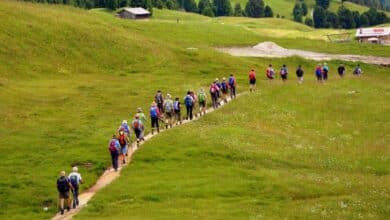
x=136, y=124
x=112, y=147
x=121, y=139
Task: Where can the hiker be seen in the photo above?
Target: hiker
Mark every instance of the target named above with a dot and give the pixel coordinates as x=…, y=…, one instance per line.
x=169, y=111
x=63, y=187
x=341, y=70
x=325, y=71
x=154, y=116
x=189, y=102
x=270, y=72
x=219, y=88
x=232, y=86
x=224, y=89
x=213, y=94
x=114, y=148
x=123, y=142
x=138, y=127
x=195, y=100
x=202, y=101
x=75, y=180
x=159, y=101
x=143, y=119
x=318, y=73
x=284, y=72
x=300, y=73
x=125, y=126
x=252, y=80
x=177, y=108
x=357, y=71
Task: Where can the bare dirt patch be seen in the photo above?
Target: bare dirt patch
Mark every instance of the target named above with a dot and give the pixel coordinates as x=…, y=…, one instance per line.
x=272, y=50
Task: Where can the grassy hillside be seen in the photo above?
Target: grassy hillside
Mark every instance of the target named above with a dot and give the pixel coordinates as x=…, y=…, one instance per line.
x=289, y=151
x=68, y=77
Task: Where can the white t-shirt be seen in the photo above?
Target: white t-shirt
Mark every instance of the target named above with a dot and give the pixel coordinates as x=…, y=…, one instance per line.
x=78, y=176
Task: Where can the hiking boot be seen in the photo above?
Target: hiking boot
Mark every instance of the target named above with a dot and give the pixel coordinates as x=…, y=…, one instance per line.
x=68, y=208
x=123, y=161
x=62, y=211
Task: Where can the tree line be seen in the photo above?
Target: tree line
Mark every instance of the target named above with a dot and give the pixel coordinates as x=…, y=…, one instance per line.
x=253, y=8
x=343, y=18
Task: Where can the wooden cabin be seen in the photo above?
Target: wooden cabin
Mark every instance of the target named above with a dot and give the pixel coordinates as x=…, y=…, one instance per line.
x=134, y=13
x=380, y=35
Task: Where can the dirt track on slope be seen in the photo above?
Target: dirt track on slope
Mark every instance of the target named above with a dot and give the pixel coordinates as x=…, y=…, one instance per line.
x=110, y=175
x=272, y=50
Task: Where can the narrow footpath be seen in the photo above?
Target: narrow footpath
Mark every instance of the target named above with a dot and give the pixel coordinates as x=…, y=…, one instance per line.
x=110, y=175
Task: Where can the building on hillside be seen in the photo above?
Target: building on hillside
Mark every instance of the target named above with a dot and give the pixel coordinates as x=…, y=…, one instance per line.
x=134, y=13
x=380, y=35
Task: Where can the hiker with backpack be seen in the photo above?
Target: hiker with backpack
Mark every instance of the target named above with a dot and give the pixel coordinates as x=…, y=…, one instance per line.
x=195, y=100
x=159, y=99
x=75, y=180
x=224, y=89
x=357, y=71
x=114, y=149
x=143, y=119
x=125, y=127
x=63, y=187
x=154, y=117
x=270, y=72
x=123, y=142
x=341, y=70
x=202, y=101
x=252, y=80
x=168, y=106
x=213, y=94
x=318, y=73
x=138, y=127
x=325, y=71
x=283, y=72
x=177, y=109
x=189, y=102
x=300, y=73
x=232, y=86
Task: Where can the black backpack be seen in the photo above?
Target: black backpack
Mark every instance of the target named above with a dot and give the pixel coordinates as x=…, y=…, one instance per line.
x=63, y=184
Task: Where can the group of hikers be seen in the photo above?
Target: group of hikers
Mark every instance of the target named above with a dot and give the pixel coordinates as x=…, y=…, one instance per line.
x=163, y=110
x=321, y=73
x=167, y=112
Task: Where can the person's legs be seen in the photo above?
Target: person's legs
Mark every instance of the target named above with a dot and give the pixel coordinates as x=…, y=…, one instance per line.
x=188, y=112
x=191, y=108
x=61, y=200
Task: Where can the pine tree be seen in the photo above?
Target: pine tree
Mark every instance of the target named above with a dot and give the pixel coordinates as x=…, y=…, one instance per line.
x=297, y=13
x=268, y=12
x=222, y=7
x=254, y=8
x=304, y=8
x=319, y=17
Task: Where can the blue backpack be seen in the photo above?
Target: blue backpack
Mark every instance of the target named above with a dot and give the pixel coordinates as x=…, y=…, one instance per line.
x=224, y=86
x=73, y=181
x=188, y=100
x=231, y=81
x=153, y=112
x=125, y=128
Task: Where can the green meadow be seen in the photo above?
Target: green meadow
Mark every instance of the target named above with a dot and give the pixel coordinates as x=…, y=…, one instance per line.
x=68, y=77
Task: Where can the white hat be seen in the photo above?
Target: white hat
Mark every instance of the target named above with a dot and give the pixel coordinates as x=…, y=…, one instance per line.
x=124, y=122
x=75, y=169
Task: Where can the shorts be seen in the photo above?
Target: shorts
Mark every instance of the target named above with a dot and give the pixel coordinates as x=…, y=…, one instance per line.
x=270, y=77
x=64, y=195
x=284, y=76
x=252, y=81
x=124, y=149
x=202, y=104
x=168, y=114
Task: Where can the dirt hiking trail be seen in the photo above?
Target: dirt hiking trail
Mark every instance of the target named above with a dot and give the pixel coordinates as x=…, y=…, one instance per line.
x=110, y=175
x=272, y=50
